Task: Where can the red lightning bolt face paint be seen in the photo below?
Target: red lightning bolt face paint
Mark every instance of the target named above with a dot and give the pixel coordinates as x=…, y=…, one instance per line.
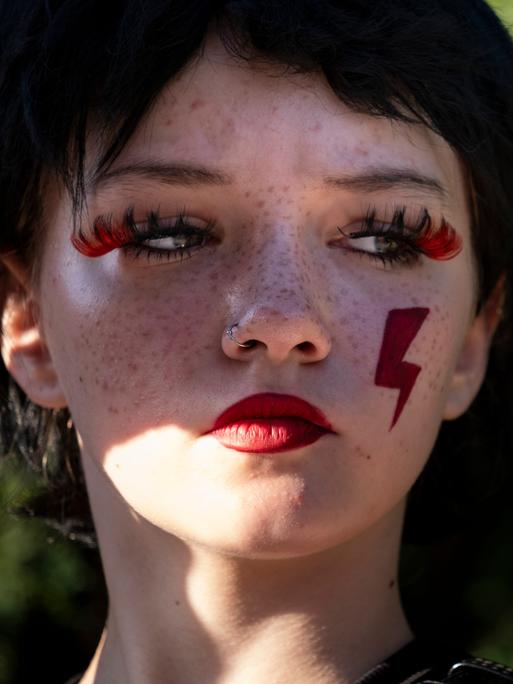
x=401, y=328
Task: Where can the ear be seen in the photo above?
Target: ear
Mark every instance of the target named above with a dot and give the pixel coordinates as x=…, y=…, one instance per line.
x=23, y=348
x=470, y=369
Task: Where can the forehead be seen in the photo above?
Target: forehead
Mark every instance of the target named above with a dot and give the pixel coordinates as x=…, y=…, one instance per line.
x=255, y=121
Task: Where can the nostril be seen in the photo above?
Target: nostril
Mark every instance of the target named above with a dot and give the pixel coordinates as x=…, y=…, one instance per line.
x=306, y=347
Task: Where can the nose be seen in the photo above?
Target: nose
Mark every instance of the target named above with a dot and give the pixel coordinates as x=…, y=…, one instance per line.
x=278, y=336
x=277, y=298
x=292, y=330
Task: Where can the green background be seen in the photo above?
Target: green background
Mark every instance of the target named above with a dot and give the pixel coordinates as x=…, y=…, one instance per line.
x=504, y=9
x=52, y=595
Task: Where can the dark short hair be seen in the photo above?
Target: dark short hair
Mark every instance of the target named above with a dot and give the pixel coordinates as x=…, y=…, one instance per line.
x=447, y=64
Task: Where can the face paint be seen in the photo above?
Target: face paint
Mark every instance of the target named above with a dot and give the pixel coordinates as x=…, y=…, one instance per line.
x=401, y=327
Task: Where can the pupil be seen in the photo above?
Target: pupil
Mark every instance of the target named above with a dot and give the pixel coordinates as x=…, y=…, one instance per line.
x=385, y=244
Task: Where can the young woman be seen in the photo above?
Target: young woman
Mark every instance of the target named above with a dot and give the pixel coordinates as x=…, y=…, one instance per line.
x=262, y=254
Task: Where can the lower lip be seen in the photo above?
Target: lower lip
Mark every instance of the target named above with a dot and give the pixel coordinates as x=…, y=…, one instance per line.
x=268, y=435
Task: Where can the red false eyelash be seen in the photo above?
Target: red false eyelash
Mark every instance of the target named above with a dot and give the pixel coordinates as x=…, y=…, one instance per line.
x=105, y=237
x=439, y=243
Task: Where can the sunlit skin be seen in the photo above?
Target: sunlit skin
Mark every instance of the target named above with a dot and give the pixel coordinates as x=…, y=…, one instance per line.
x=234, y=567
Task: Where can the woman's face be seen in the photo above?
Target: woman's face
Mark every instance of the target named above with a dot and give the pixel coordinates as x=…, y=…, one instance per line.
x=281, y=173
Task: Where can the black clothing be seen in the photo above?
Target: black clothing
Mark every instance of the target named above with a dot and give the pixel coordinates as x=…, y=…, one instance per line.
x=422, y=662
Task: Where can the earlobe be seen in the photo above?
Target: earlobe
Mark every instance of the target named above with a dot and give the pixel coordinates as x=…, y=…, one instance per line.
x=472, y=362
x=23, y=348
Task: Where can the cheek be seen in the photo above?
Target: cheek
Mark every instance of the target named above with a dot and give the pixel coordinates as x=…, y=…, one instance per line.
x=394, y=413
x=395, y=357
x=126, y=357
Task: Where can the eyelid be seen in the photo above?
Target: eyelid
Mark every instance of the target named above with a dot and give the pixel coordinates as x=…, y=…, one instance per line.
x=372, y=223
x=183, y=218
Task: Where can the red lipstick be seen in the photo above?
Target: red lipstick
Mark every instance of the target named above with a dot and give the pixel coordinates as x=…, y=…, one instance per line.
x=268, y=423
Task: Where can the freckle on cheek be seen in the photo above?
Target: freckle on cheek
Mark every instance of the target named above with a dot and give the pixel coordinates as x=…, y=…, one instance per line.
x=361, y=453
x=197, y=104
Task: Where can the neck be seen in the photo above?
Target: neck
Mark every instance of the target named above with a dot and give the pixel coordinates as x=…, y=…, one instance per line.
x=180, y=612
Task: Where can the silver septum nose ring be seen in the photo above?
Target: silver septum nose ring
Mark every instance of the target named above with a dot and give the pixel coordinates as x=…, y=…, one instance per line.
x=229, y=331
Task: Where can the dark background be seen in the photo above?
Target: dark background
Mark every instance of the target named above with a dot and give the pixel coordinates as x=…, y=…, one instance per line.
x=53, y=600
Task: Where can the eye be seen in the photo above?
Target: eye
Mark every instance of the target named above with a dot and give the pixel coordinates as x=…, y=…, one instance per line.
x=168, y=239
x=154, y=238
x=384, y=243
x=194, y=237
x=166, y=242
x=398, y=241
x=374, y=244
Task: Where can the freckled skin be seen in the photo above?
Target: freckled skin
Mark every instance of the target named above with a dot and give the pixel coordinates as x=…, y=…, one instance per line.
x=139, y=345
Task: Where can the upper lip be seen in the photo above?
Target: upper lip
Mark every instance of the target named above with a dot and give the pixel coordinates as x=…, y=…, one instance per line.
x=271, y=405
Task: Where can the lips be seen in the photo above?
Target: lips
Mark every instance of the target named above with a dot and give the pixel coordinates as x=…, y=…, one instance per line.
x=270, y=423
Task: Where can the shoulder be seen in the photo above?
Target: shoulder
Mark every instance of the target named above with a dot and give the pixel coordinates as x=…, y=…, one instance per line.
x=472, y=670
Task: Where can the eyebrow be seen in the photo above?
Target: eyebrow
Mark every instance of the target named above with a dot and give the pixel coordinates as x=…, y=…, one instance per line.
x=387, y=178
x=162, y=172
x=184, y=174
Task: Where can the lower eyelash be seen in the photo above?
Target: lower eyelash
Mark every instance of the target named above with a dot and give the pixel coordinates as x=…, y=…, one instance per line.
x=153, y=253
x=409, y=257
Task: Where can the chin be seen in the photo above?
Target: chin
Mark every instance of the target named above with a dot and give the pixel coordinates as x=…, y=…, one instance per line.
x=253, y=537
x=263, y=548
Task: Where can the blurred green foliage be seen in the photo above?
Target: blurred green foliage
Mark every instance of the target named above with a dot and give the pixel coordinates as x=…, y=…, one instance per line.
x=53, y=601
x=504, y=9
x=51, y=592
